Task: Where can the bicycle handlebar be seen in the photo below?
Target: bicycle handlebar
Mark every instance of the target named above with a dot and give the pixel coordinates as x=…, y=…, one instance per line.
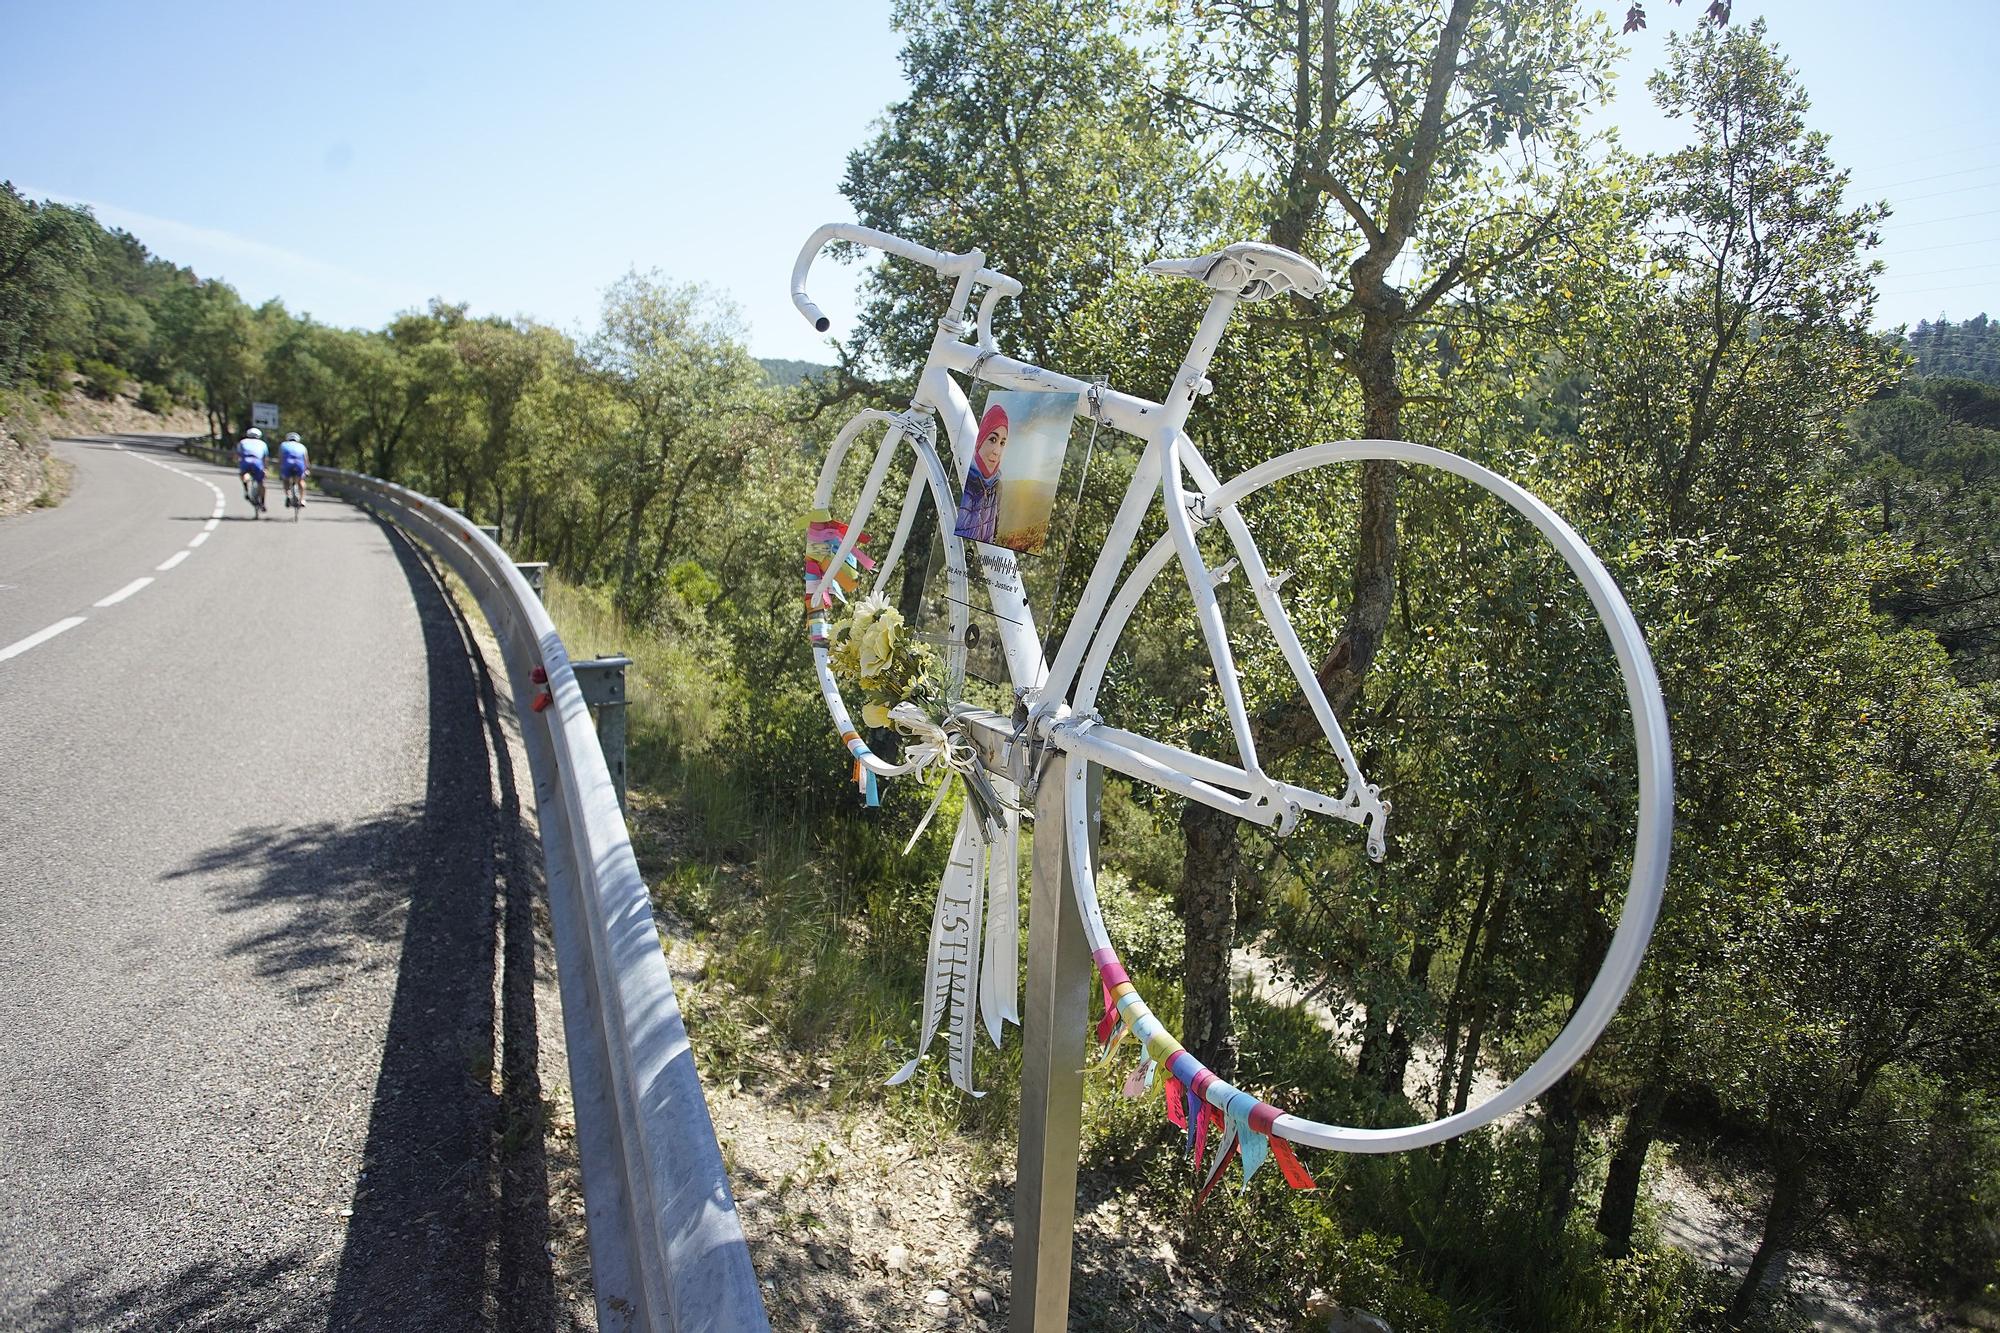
x=950, y=265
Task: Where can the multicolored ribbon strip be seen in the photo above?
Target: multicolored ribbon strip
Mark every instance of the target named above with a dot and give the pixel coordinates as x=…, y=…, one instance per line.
x=823, y=538
x=1192, y=1090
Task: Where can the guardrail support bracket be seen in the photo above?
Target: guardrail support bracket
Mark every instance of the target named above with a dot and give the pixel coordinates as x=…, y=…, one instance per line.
x=535, y=572
x=602, y=681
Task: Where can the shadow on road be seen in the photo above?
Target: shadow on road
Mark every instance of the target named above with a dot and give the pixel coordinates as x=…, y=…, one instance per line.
x=201, y=1295
x=450, y=1224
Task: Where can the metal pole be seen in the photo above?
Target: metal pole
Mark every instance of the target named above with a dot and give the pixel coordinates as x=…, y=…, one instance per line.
x=1052, y=1051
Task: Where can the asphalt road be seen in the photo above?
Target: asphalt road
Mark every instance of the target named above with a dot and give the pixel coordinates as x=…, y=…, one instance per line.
x=268, y=1038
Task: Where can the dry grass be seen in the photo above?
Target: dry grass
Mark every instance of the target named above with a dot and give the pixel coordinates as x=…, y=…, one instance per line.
x=58, y=475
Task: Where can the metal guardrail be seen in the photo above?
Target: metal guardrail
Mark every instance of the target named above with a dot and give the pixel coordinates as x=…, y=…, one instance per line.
x=666, y=1246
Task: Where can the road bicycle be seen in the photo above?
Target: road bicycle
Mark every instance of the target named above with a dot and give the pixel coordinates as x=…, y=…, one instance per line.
x=254, y=493
x=1057, y=696
x=295, y=496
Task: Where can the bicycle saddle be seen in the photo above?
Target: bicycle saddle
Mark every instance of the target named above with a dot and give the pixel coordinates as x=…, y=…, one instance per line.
x=1254, y=270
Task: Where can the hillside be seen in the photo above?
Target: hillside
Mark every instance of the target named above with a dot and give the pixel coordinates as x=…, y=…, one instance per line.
x=784, y=373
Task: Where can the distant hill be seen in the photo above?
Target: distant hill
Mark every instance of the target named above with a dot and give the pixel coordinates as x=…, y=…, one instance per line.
x=1968, y=350
x=785, y=373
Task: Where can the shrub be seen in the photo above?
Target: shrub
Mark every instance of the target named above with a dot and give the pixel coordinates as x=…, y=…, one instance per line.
x=53, y=369
x=101, y=379
x=1149, y=936
x=155, y=399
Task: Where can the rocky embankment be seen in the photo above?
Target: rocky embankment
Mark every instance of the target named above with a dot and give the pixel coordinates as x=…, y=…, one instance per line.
x=23, y=469
x=29, y=473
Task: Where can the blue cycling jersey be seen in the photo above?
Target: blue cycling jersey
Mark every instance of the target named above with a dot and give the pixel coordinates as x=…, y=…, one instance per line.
x=292, y=456
x=252, y=451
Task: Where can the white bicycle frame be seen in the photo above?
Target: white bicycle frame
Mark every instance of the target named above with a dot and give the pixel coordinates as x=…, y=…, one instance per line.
x=1046, y=689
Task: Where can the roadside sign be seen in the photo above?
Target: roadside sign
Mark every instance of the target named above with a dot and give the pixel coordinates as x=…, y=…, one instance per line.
x=264, y=416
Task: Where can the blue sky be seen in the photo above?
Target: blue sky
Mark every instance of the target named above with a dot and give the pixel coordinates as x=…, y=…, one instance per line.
x=360, y=159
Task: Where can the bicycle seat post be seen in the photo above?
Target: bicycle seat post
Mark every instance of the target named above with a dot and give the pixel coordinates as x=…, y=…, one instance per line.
x=1194, y=366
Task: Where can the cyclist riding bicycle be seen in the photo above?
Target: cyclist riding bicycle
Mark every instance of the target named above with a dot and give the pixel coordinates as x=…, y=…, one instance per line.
x=292, y=468
x=251, y=452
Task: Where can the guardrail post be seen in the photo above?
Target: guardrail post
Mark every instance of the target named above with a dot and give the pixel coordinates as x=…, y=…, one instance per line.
x=602, y=681
x=534, y=571
x=1052, y=1054
x=492, y=531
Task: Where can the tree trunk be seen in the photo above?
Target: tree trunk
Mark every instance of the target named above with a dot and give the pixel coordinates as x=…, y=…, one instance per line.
x=628, y=564
x=1628, y=1166
x=1208, y=910
x=1385, y=1053
x=917, y=564
x=1208, y=877
x=1468, y=1064
x=1788, y=1204
x=1555, y=1184
x=1454, y=1010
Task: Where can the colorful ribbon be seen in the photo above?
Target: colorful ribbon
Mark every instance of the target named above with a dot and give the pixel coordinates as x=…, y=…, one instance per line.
x=823, y=539
x=1196, y=1100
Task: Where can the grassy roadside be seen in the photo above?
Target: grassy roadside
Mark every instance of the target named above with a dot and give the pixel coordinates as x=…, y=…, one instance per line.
x=58, y=475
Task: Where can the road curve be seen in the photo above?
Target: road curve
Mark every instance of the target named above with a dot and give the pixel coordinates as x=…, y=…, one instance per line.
x=267, y=1009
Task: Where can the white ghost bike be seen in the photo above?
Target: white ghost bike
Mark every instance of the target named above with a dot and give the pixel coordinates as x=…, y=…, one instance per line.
x=1060, y=694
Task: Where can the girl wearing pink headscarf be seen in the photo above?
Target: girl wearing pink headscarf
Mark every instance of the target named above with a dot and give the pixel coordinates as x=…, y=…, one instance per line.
x=979, y=502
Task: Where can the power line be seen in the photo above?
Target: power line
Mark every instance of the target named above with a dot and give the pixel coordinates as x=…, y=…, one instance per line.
x=1919, y=180
x=1939, y=194
x=1934, y=272
x=1954, y=287
x=1956, y=217
x=1901, y=162
x=1950, y=245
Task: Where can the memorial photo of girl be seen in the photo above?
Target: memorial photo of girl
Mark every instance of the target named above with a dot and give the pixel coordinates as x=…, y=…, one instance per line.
x=1017, y=458
x=979, y=502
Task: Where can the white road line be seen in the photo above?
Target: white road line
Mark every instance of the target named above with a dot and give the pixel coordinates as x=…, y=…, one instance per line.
x=210, y=526
x=39, y=637
x=172, y=560
x=199, y=538
x=124, y=592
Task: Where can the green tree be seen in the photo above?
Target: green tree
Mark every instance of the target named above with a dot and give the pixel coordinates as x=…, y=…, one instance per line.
x=503, y=364
x=1926, y=471
x=1720, y=384
x=693, y=400
x=304, y=373
x=45, y=264
x=1028, y=134
x=1970, y=349
x=1882, y=952
x=214, y=341
x=1435, y=160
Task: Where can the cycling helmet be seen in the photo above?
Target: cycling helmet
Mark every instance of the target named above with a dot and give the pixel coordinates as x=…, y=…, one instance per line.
x=255, y=434
x=292, y=438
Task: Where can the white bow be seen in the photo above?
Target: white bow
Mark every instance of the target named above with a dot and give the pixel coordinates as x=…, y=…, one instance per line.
x=929, y=743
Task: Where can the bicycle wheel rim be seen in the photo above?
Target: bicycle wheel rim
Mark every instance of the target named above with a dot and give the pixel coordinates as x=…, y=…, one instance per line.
x=1651, y=846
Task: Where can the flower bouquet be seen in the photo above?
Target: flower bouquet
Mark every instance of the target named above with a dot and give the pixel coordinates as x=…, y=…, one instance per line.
x=873, y=651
